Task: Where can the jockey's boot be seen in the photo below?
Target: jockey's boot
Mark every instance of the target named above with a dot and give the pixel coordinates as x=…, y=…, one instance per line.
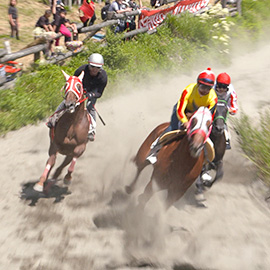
x=52, y=120
x=206, y=177
x=228, y=144
x=154, y=149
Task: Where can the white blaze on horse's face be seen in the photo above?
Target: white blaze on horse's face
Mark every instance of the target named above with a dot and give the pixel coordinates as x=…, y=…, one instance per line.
x=199, y=130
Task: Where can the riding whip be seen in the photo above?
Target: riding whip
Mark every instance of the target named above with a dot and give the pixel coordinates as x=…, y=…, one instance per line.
x=99, y=115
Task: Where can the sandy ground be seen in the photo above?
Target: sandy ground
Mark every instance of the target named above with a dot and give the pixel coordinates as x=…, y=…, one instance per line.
x=232, y=233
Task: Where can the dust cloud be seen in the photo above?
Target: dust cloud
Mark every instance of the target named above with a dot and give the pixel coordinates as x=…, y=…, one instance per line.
x=99, y=227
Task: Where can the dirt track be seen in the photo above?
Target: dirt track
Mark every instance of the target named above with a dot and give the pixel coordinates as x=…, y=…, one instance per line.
x=232, y=233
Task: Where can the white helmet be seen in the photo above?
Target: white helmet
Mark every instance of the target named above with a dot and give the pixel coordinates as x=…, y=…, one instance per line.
x=96, y=60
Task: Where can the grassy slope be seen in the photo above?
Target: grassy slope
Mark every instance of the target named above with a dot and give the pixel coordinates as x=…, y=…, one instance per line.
x=29, y=11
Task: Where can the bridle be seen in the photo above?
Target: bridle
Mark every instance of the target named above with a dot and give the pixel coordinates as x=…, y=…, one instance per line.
x=75, y=86
x=202, y=115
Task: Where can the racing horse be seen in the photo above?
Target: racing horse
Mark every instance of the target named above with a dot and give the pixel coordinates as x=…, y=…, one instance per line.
x=69, y=137
x=179, y=162
x=218, y=138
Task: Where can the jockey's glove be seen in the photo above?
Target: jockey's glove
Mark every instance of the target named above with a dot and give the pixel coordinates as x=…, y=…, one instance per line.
x=90, y=95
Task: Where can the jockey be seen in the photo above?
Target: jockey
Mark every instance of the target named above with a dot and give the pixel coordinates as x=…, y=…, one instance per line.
x=193, y=96
x=94, y=83
x=225, y=91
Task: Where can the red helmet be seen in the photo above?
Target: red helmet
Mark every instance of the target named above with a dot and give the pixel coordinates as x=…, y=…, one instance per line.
x=206, y=77
x=224, y=78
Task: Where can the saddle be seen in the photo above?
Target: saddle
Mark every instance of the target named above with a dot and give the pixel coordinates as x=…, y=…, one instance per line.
x=209, y=150
x=171, y=136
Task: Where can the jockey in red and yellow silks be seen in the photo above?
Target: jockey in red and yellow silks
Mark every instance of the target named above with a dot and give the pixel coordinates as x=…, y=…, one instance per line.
x=191, y=100
x=194, y=96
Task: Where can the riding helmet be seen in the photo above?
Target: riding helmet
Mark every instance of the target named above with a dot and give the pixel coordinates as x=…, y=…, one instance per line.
x=206, y=77
x=224, y=78
x=96, y=60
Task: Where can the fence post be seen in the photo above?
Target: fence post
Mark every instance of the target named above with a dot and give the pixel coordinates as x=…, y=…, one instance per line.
x=239, y=8
x=7, y=46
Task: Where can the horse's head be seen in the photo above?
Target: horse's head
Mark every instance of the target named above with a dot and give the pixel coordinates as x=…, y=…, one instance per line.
x=73, y=91
x=220, y=117
x=199, y=130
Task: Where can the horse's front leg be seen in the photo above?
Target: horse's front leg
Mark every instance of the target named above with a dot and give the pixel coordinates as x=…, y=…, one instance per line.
x=146, y=195
x=58, y=171
x=199, y=196
x=49, y=165
x=78, y=151
x=219, y=171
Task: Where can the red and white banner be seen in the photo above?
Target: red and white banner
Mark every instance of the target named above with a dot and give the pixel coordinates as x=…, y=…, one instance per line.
x=154, y=18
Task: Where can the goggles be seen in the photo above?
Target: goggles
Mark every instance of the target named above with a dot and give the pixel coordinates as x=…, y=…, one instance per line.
x=223, y=86
x=90, y=66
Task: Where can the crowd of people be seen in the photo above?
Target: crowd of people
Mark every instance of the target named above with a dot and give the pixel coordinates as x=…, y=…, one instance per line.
x=61, y=24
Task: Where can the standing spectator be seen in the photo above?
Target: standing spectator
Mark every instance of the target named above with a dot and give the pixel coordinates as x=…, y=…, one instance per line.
x=13, y=19
x=105, y=10
x=87, y=12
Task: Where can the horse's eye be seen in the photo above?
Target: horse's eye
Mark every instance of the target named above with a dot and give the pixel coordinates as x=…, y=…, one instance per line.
x=193, y=123
x=78, y=87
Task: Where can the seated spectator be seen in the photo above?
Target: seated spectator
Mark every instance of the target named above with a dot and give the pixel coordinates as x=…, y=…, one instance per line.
x=87, y=12
x=44, y=24
x=61, y=23
x=43, y=21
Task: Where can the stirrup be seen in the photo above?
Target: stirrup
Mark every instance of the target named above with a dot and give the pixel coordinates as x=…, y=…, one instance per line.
x=228, y=145
x=152, y=158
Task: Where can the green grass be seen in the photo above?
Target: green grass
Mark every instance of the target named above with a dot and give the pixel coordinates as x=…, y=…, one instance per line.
x=254, y=142
x=177, y=47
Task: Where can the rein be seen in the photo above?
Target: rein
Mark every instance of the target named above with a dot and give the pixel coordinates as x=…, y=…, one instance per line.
x=224, y=118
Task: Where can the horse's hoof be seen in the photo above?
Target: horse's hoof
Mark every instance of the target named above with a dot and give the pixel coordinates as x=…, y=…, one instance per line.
x=128, y=189
x=38, y=187
x=208, y=183
x=67, y=181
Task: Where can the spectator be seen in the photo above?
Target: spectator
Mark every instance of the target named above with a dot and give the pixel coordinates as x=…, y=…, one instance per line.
x=105, y=10
x=44, y=23
x=117, y=7
x=61, y=23
x=131, y=20
x=13, y=19
x=87, y=12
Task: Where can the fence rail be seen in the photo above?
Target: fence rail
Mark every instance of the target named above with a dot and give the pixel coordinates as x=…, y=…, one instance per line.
x=5, y=56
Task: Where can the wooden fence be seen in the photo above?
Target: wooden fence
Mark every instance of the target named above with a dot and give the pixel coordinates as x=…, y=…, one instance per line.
x=92, y=30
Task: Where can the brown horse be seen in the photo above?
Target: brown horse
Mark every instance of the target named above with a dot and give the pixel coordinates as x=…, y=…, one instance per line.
x=179, y=163
x=69, y=137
